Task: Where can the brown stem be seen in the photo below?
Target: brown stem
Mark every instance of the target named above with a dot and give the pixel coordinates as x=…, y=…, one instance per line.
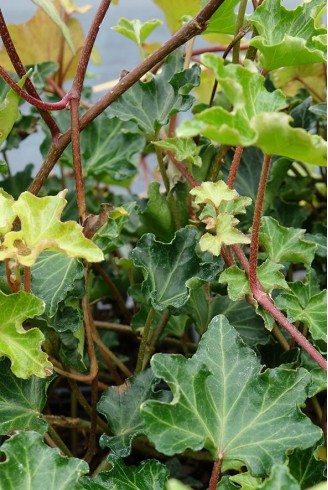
x=112, y=356
x=77, y=161
x=234, y=166
x=214, y=169
x=144, y=340
x=91, y=450
x=216, y=49
x=215, y=473
x=27, y=279
x=20, y=70
x=58, y=441
x=257, y=221
x=8, y=276
x=67, y=422
x=155, y=337
x=182, y=169
x=194, y=27
x=117, y=295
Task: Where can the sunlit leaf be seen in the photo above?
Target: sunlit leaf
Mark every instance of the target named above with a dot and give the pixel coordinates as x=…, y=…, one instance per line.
x=23, y=347
x=226, y=234
x=30, y=465
x=286, y=36
x=41, y=229
x=71, y=7
x=136, y=30
x=174, y=15
x=7, y=214
x=253, y=120
x=21, y=401
x=224, y=19
x=210, y=391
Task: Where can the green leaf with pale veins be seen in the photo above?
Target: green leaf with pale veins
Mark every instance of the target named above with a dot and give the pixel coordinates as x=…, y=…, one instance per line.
x=318, y=375
x=23, y=347
x=171, y=269
x=306, y=468
x=280, y=479
x=121, y=407
x=307, y=304
x=7, y=214
x=32, y=465
x=149, y=475
x=135, y=29
x=150, y=104
x=109, y=149
x=268, y=274
x=21, y=401
x=285, y=244
x=254, y=120
x=287, y=37
x=53, y=277
x=222, y=402
x=183, y=149
x=41, y=229
x=213, y=193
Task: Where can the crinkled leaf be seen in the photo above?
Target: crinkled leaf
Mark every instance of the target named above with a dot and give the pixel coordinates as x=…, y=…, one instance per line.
x=21, y=401
x=23, y=347
x=136, y=30
x=286, y=36
x=213, y=193
x=120, y=405
x=253, y=120
x=7, y=214
x=226, y=234
x=53, y=276
x=171, y=269
x=9, y=112
x=109, y=150
x=246, y=481
x=54, y=15
x=307, y=304
x=149, y=475
x=39, y=39
x=157, y=217
x=41, y=229
x=30, y=465
x=268, y=274
x=183, y=149
x=285, y=244
x=210, y=391
x=150, y=104
x=280, y=479
x=306, y=468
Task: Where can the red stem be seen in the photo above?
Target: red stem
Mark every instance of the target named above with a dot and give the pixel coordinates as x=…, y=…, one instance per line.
x=182, y=169
x=27, y=279
x=215, y=473
x=234, y=166
x=215, y=49
x=20, y=70
x=77, y=161
x=257, y=221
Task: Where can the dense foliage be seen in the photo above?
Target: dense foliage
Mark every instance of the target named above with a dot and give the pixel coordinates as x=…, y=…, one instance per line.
x=174, y=338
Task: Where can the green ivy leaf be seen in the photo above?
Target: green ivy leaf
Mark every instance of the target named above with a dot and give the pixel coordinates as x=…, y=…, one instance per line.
x=54, y=276
x=287, y=37
x=171, y=269
x=7, y=214
x=157, y=216
x=135, y=29
x=23, y=347
x=211, y=390
x=280, y=479
x=254, y=119
x=183, y=148
x=226, y=234
x=268, y=274
x=30, y=465
x=306, y=468
x=318, y=375
x=285, y=244
x=223, y=21
x=21, y=401
x=109, y=148
x=42, y=229
x=121, y=407
x=9, y=112
x=307, y=304
x=149, y=475
x=109, y=236
x=246, y=481
x=150, y=104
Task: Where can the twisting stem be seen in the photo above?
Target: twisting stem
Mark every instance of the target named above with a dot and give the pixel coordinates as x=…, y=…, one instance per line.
x=215, y=473
x=234, y=166
x=189, y=30
x=144, y=340
x=257, y=221
x=20, y=70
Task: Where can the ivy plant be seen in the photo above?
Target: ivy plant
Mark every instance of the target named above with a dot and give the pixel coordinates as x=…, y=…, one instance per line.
x=162, y=274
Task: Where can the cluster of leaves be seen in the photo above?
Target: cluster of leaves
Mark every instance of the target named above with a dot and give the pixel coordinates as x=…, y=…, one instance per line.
x=150, y=301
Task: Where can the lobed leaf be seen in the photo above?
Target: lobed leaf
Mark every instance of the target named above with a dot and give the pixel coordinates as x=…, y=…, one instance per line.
x=41, y=229
x=183, y=148
x=136, y=30
x=23, y=347
x=222, y=401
